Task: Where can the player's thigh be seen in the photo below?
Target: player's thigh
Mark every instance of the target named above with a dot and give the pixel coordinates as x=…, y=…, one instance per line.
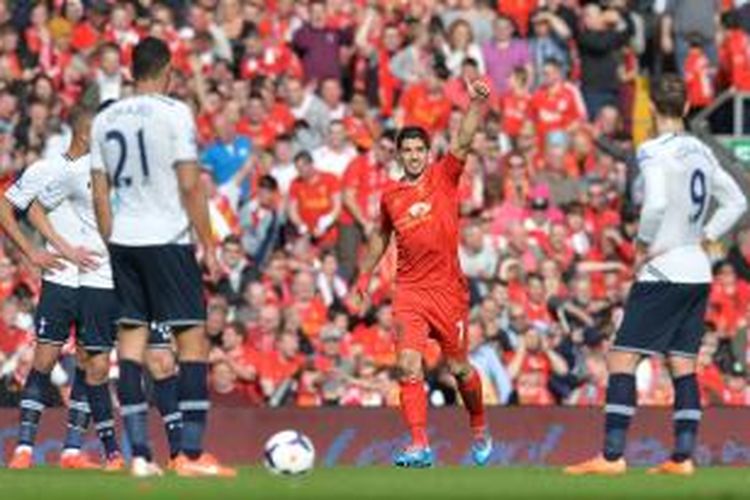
x=56, y=313
x=412, y=328
x=99, y=312
x=174, y=287
x=449, y=314
x=160, y=360
x=192, y=343
x=130, y=290
x=687, y=338
x=651, y=319
x=132, y=341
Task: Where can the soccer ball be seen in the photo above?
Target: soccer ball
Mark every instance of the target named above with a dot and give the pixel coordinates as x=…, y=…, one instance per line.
x=289, y=453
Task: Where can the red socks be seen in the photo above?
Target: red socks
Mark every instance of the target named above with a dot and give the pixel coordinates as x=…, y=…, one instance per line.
x=471, y=393
x=414, y=410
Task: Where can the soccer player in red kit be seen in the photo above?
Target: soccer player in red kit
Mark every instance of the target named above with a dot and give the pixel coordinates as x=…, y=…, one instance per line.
x=431, y=297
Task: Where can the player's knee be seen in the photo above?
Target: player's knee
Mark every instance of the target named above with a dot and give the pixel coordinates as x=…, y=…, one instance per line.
x=680, y=366
x=97, y=369
x=410, y=365
x=161, y=363
x=45, y=357
x=622, y=361
x=459, y=369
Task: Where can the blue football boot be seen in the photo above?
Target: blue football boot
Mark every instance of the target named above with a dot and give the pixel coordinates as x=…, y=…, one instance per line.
x=414, y=458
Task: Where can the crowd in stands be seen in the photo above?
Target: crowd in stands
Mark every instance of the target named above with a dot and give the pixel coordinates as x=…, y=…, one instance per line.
x=298, y=104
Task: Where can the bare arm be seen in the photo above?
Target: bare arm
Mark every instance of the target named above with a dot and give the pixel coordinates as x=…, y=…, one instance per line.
x=80, y=256
x=293, y=209
x=102, y=207
x=514, y=367
x=196, y=205
x=39, y=257
x=557, y=362
x=376, y=247
x=461, y=143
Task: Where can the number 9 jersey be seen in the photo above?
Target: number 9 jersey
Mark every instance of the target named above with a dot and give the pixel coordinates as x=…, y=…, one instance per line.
x=680, y=176
x=138, y=142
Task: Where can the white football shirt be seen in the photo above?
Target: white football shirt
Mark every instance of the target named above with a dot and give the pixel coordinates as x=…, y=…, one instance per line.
x=680, y=177
x=138, y=142
x=26, y=189
x=73, y=186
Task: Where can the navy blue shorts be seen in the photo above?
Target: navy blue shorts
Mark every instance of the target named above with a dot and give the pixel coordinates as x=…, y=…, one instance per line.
x=159, y=336
x=99, y=310
x=56, y=313
x=664, y=318
x=158, y=284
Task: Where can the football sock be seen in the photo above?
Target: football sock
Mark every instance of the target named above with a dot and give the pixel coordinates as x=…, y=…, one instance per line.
x=414, y=410
x=134, y=408
x=620, y=408
x=687, y=416
x=101, y=412
x=79, y=412
x=166, y=396
x=32, y=405
x=194, y=405
x=470, y=388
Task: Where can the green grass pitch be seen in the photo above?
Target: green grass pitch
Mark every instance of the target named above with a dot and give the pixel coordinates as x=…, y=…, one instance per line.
x=378, y=482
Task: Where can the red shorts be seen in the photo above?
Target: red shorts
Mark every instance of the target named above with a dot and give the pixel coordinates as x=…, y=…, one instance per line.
x=438, y=313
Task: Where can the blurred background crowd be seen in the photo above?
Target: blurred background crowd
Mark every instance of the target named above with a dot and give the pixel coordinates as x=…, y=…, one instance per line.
x=297, y=105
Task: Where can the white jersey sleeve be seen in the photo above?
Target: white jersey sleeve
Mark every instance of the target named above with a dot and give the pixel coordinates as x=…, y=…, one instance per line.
x=655, y=198
x=732, y=204
x=32, y=183
x=184, y=136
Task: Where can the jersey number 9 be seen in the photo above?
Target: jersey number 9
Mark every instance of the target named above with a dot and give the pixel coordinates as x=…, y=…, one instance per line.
x=697, y=194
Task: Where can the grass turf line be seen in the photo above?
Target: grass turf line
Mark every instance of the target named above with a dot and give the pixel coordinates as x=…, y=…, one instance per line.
x=377, y=482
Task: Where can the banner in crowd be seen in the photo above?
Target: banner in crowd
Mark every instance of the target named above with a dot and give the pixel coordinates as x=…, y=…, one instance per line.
x=523, y=436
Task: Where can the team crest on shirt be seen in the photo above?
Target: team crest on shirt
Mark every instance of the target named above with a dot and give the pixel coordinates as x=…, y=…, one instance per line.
x=419, y=209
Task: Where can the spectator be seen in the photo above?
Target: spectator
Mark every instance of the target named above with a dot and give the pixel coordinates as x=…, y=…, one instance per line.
x=363, y=182
x=685, y=17
x=531, y=367
x=603, y=36
x=478, y=259
x=496, y=382
x=237, y=271
x=549, y=39
x=311, y=114
x=460, y=45
x=556, y=105
x=320, y=47
x=314, y=201
x=109, y=76
x=261, y=220
x=504, y=53
x=228, y=154
x=335, y=155
x=330, y=285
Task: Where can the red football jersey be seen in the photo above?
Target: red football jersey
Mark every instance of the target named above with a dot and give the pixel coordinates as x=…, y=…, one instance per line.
x=735, y=60
x=423, y=216
x=698, y=82
x=557, y=108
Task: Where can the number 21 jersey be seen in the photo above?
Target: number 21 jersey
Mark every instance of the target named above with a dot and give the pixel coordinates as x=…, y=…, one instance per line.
x=139, y=142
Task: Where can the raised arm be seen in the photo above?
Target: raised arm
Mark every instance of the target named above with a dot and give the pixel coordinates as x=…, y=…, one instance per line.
x=461, y=143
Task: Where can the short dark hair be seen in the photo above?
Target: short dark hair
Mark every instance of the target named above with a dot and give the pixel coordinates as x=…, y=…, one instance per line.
x=669, y=96
x=303, y=155
x=232, y=239
x=412, y=132
x=150, y=57
x=78, y=113
x=268, y=182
